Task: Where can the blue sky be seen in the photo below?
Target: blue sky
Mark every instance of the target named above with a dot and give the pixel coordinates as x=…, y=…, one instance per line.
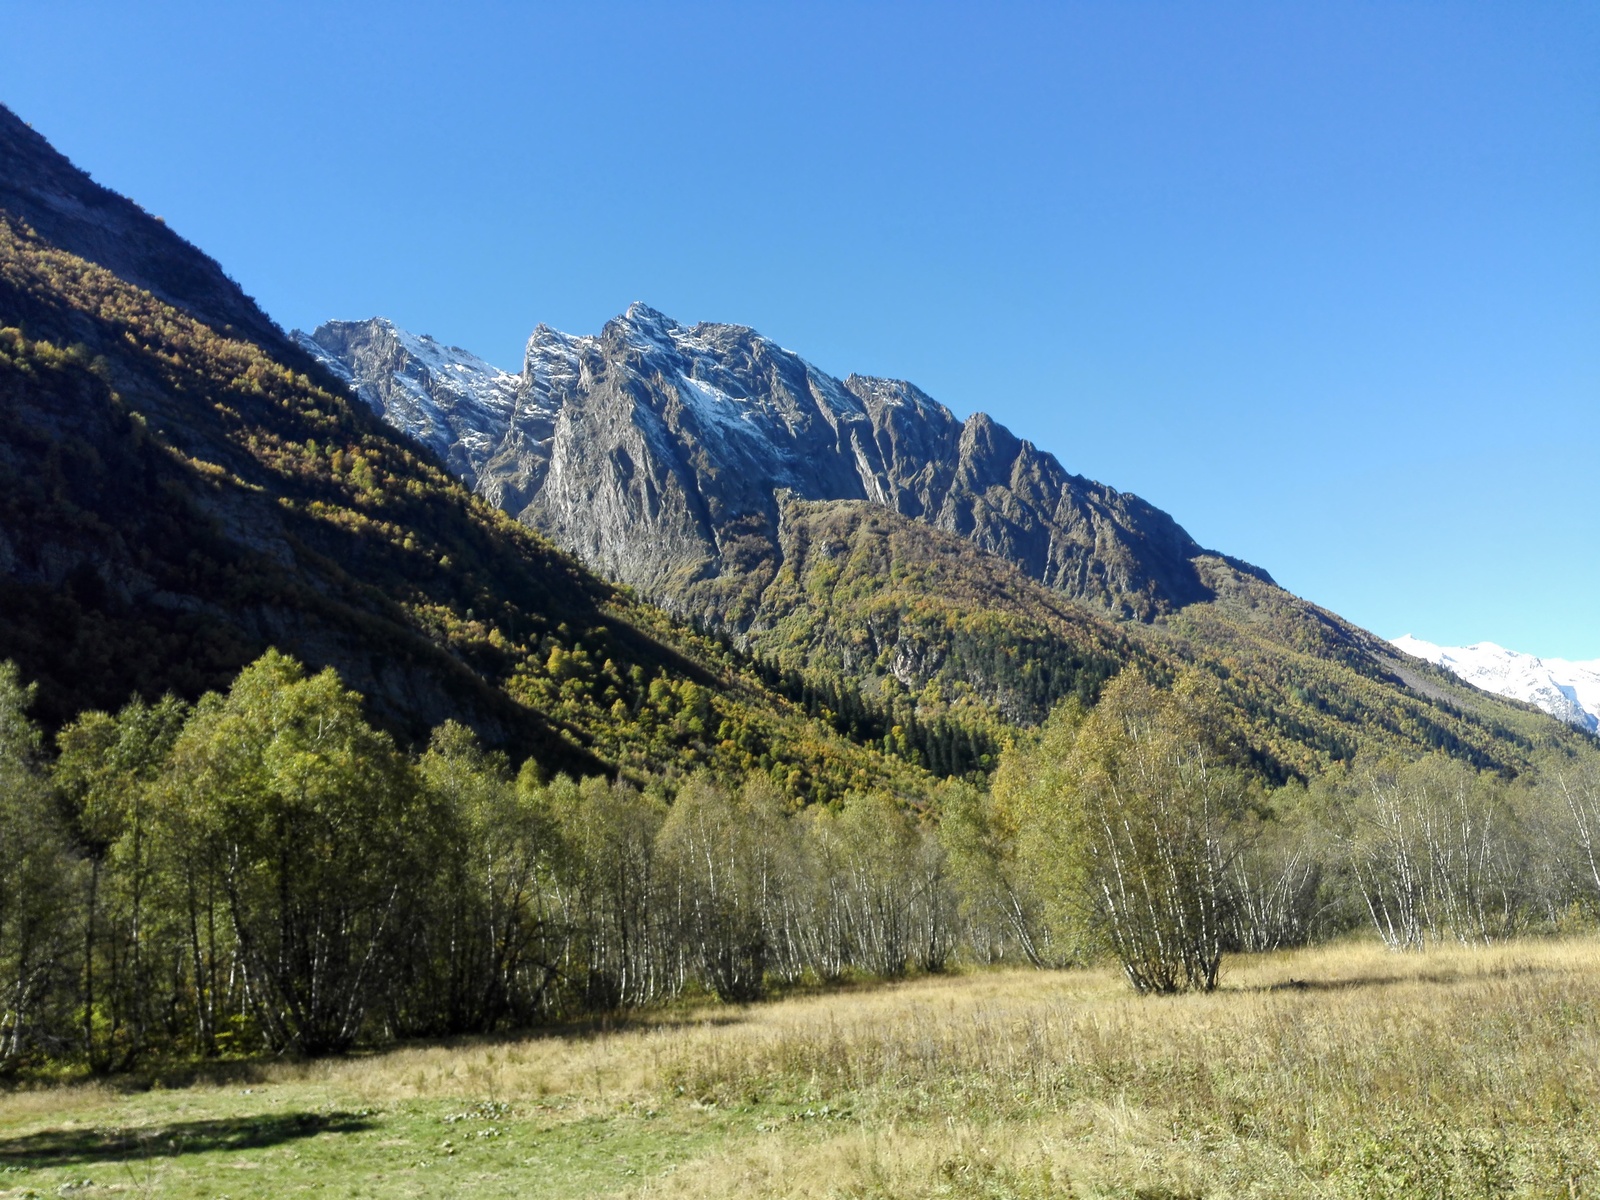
x=1322, y=280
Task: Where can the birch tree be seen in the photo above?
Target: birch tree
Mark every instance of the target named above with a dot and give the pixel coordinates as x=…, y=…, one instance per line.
x=105, y=771
x=720, y=859
x=1127, y=825
x=479, y=946
x=35, y=889
x=312, y=823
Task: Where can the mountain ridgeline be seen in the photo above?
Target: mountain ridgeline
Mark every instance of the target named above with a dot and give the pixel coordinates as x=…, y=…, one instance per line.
x=662, y=454
x=855, y=532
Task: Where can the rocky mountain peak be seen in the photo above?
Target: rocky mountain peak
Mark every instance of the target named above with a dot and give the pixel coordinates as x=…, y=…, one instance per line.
x=448, y=399
x=662, y=453
x=640, y=315
x=877, y=394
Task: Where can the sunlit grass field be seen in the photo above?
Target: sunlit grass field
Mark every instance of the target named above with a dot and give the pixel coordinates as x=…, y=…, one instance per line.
x=1341, y=1071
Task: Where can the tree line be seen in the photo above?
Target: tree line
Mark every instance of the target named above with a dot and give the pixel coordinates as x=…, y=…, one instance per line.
x=265, y=870
x=1131, y=829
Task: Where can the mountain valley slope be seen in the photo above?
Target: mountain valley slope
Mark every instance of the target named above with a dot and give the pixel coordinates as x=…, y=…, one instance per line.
x=180, y=487
x=868, y=546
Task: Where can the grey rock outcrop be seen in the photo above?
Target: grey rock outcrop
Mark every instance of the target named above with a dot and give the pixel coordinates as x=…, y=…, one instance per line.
x=661, y=454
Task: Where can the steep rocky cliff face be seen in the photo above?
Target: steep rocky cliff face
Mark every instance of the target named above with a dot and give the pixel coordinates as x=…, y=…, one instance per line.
x=661, y=454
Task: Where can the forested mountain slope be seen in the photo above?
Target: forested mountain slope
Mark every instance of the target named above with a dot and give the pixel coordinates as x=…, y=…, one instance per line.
x=1315, y=689
x=935, y=631
x=180, y=488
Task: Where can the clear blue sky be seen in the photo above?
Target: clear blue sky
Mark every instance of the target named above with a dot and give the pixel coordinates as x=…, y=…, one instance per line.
x=1322, y=280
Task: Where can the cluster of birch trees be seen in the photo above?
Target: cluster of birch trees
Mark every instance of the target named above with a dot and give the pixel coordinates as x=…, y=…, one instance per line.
x=1437, y=852
x=265, y=870
x=1124, y=830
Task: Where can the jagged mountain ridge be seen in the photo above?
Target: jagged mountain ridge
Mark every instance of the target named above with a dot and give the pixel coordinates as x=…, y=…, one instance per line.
x=1569, y=691
x=660, y=454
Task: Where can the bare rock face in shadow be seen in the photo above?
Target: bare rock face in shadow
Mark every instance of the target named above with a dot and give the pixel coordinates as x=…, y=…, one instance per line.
x=69, y=210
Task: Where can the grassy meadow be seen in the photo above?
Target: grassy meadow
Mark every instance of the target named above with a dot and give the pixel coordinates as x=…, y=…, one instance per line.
x=1339, y=1071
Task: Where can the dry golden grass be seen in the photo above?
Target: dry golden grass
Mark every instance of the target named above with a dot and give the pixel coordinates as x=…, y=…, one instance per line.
x=1346, y=1070
x=1341, y=1071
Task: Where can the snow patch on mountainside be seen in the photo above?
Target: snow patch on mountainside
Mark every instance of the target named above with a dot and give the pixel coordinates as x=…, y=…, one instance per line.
x=1568, y=690
x=715, y=409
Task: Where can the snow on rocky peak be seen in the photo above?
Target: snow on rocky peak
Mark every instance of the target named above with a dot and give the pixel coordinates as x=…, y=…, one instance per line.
x=449, y=400
x=1568, y=690
x=663, y=455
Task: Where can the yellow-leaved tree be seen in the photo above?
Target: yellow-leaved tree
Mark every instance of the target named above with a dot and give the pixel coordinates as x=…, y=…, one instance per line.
x=1117, y=831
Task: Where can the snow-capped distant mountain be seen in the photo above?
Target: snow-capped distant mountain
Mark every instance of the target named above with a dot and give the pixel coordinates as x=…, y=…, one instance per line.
x=451, y=401
x=1568, y=690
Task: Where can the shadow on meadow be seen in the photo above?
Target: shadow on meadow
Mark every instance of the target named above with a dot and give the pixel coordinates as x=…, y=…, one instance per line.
x=259, y=1069
x=64, y=1147
x=1354, y=982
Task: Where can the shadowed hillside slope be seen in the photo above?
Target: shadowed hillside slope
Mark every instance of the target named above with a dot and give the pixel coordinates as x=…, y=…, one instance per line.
x=69, y=211
x=179, y=489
